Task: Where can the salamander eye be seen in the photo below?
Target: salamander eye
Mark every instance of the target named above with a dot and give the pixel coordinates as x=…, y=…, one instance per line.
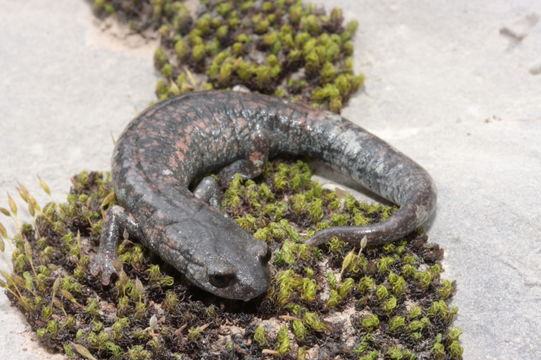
x=221, y=280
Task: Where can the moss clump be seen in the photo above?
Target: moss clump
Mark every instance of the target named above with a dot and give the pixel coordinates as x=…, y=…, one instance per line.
x=287, y=48
x=149, y=312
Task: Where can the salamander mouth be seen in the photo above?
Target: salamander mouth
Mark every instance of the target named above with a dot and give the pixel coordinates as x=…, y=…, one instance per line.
x=250, y=294
x=256, y=294
x=258, y=288
x=237, y=289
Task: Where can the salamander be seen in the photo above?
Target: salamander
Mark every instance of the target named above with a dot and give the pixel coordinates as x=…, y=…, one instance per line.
x=174, y=142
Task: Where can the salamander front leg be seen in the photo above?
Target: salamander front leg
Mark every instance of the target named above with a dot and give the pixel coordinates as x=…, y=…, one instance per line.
x=250, y=167
x=208, y=190
x=106, y=261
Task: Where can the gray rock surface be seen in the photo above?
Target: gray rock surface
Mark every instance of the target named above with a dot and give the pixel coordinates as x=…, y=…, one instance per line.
x=454, y=84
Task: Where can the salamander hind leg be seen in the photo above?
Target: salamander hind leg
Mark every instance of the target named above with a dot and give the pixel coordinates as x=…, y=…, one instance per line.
x=106, y=261
x=251, y=166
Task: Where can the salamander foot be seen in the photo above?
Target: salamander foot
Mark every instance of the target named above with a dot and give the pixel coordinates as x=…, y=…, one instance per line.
x=106, y=264
x=106, y=261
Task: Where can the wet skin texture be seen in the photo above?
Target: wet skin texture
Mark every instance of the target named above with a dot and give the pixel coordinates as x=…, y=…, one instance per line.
x=171, y=143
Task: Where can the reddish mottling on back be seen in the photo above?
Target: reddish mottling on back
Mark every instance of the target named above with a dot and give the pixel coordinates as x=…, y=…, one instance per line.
x=241, y=121
x=173, y=161
x=180, y=155
x=256, y=155
x=180, y=144
x=173, y=143
x=169, y=180
x=201, y=124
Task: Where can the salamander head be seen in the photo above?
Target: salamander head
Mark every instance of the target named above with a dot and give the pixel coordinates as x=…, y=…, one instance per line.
x=219, y=257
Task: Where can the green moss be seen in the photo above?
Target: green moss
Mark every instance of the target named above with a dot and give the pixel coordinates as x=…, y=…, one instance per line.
x=370, y=322
x=382, y=292
x=260, y=336
x=167, y=70
x=414, y=312
x=160, y=58
x=398, y=284
x=99, y=4
x=446, y=289
x=455, y=350
x=313, y=321
x=299, y=329
x=138, y=352
x=282, y=341
x=300, y=35
x=396, y=323
x=181, y=49
x=149, y=307
x=389, y=305
x=198, y=52
x=439, y=309
x=366, y=284
x=373, y=355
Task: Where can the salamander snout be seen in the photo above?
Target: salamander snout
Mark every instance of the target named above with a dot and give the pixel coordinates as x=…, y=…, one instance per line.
x=261, y=251
x=222, y=259
x=242, y=275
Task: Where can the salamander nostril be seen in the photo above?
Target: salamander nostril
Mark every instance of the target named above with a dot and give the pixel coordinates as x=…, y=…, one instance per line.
x=221, y=280
x=265, y=256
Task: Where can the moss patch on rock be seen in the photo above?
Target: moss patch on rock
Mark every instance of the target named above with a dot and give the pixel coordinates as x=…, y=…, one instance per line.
x=336, y=301
x=288, y=48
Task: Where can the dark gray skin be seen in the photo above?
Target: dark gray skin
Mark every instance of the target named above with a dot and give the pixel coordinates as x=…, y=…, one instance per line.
x=171, y=143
